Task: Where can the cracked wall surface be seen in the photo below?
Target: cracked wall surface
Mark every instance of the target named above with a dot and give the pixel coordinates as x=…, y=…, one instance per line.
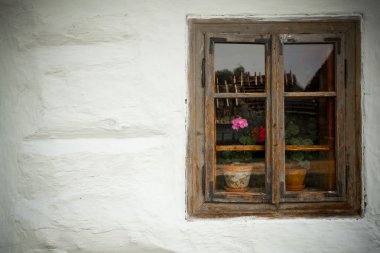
x=93, y=131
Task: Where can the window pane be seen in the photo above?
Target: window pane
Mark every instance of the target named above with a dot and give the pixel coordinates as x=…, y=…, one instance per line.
x=309, y=67
x=239, y=68
x=240, y=139
x=310, y=144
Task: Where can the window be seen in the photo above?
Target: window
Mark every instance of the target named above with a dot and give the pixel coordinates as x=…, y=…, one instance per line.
x=274, y=118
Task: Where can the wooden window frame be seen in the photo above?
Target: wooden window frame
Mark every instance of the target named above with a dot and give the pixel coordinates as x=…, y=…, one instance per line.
x=202, y=201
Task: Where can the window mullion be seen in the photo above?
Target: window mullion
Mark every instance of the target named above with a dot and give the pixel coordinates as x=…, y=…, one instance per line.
x=277, y=120
x=209, y=116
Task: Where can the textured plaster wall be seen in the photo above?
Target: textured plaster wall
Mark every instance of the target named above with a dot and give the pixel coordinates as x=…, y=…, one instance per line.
x=93, y=131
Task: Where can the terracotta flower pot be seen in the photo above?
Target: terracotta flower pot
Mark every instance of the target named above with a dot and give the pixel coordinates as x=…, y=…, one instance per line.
x=295, y=178
x=237, y=177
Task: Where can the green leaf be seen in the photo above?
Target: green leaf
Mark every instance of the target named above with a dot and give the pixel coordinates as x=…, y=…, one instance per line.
x=297, y=156
x=295, y=141
x=246, y=140
x=307, y=142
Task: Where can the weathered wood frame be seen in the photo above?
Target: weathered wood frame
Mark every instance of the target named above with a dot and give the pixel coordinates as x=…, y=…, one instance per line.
x=211, y=95
x=201, y=200
x=337, y=40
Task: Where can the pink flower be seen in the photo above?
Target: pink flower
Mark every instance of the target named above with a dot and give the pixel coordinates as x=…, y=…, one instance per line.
x=239, y=123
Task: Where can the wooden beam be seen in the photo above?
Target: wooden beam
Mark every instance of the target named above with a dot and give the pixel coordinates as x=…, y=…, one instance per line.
x=240, y=148
x=310, y=94
x=307, y=148
x=261, y=148
x=241, y=95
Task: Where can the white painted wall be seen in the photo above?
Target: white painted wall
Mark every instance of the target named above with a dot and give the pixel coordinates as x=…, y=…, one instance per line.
x=93, y=138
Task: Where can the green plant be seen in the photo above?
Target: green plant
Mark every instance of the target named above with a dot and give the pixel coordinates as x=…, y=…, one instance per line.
x=246, y=136
x=305, y=135
x=246, y=140
x=228, y=157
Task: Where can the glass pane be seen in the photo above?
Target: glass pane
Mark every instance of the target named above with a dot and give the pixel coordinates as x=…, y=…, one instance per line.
x=310, y=144
x=239, y=68
x=240, y=121
x=240, y=171
x=309, y=67
x=240, y=139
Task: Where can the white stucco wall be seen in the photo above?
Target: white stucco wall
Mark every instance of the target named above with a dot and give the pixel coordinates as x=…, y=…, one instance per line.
x=93, y=138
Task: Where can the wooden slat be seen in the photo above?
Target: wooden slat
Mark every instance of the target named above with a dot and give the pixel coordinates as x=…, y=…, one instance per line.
x=195, y=125
x=209, y=115
x=309, y=197
x=241, y=95
x=240, y=148
x=277, y=120
x=353, y=119
x=357, y=151
x=261, y=148
x=330, y=69
x=268, y=117
x=307, y=148
x=337, y=209
x=309, y=38
x=310, y=94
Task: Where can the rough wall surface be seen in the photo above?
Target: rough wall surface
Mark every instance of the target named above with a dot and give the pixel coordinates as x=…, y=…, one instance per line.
x=92, y=127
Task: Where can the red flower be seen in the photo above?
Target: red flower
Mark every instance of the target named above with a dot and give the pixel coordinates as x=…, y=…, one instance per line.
x=258, y=134
x=261, y=137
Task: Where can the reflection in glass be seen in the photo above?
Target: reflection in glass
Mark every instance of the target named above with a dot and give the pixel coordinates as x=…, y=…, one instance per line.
x=309, y=121
x=309, y=67
x=310, y=144
x=239, y=68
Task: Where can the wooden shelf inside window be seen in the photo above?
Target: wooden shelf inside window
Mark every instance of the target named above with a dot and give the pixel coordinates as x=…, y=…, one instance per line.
x=240, y=148
x=310, y=94
x=241, y=95
x=258, y=168
x=307, y=148
x=262, y=148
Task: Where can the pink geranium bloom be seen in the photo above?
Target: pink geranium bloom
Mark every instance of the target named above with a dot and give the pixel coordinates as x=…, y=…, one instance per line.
x=239, y=123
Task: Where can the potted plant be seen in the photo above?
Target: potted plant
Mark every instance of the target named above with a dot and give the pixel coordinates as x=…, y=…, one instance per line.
x=237, y=168
x=237, y=176
x=298, y=162
x=295, y=175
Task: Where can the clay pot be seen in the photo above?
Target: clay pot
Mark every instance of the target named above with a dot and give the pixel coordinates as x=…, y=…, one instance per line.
x=295, y=178
x=237, y=177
